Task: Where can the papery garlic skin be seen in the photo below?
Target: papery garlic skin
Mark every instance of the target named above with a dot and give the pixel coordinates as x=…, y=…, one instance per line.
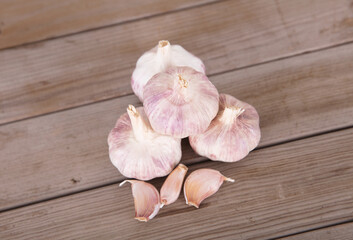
x=201, y=184
x=233, y=133
x=180, y=102
x=170, y=190
x=138, y=151
x=158, y=59
x=146, y=199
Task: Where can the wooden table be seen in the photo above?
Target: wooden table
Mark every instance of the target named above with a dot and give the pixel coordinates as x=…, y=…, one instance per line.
x=65, y=70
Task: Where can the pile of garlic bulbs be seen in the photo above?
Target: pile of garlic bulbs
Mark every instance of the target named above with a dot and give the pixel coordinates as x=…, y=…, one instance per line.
x=179, y=101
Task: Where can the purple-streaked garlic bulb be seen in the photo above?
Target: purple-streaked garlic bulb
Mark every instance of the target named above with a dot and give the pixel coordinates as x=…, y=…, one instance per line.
x=138, y=151
x=146, y=199
x=158, y=59
x=201, y=184
x=180, y=102
x=232, y=134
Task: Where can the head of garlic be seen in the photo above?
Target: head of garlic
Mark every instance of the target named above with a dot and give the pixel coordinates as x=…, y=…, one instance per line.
x=232, y=134
x=146, y=199
x=180, y=102
x=138, y=151
x=201, y=184
x=158, y=59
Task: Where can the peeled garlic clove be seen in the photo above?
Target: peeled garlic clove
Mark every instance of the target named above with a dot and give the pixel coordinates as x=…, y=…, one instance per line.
x=138, y=151
x=158, y=59
x=146, y=199
x=232, y=134
x=171, y=187
x=180, y=102
x=201, y=184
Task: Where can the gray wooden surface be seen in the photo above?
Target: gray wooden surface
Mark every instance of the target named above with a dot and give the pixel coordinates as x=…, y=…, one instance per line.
x=65, y=78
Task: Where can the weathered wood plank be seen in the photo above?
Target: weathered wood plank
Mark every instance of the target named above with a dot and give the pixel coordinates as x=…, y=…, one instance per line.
x=341, y=232
x=84, y=68
x=24, y=21
x=278, y=190
x=67, y=151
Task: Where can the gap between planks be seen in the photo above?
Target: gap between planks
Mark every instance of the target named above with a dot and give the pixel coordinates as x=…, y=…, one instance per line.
x=95, y=28
x=344, y=229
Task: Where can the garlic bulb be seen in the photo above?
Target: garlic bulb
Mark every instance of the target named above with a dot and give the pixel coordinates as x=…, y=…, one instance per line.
x=146, y=199
x=158, y=59
x=201, y=184
x=171, y=187
x=138, y=151
x=180, y=102
x=232, y=134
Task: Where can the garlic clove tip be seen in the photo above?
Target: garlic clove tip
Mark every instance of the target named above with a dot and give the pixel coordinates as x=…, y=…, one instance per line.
x=229, y=179
x=183, y=166
x=122, y=183
x=163, y=43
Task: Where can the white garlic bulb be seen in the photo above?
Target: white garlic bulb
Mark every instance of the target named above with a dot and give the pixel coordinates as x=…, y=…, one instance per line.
x=146, y=199
x=180, y=102
x=158, y=59
x=201, y=184
x=138, y=151
x=232, y=134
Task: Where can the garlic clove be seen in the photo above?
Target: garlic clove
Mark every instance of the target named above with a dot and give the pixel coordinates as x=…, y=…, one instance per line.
x=233, y=133
x=146, y=199
x=158, y=59
x=201, y=184
x=180, y=102
x=171, y=187
x=137, y=151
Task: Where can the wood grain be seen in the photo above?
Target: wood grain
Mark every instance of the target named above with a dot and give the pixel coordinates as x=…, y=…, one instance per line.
x=341, y=232
x=24, y=21
x=278, y=190
x=92, y=66
x=67, y=151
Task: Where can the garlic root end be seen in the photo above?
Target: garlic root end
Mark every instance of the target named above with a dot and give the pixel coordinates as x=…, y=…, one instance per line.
x=141, y=219
x=193, y=204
